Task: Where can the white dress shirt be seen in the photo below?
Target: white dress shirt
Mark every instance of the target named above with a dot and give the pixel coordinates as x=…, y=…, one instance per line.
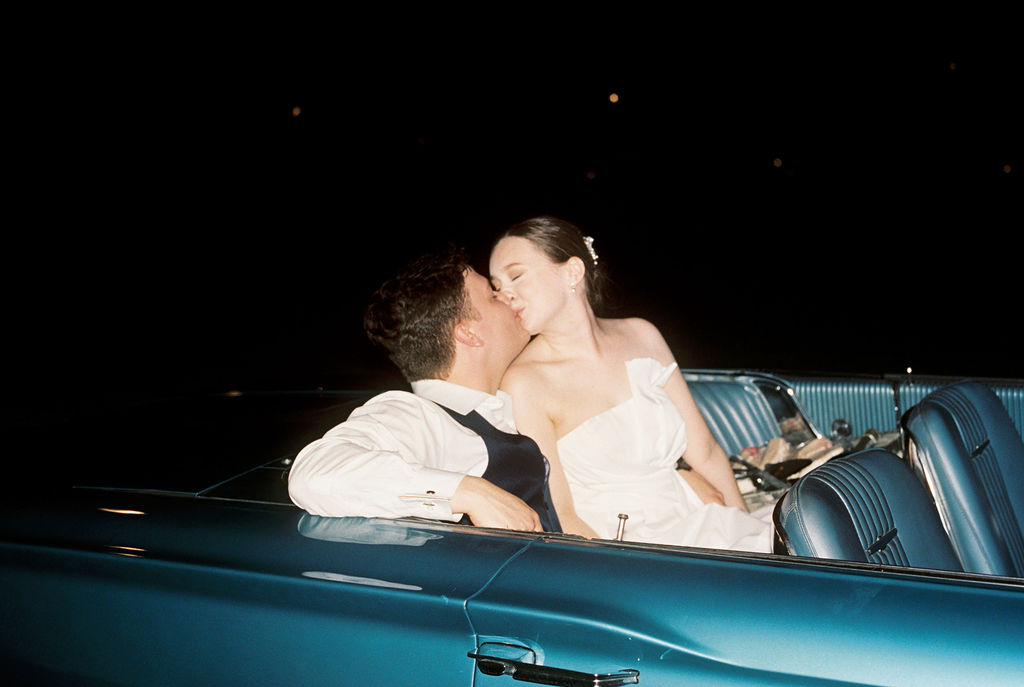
x=399, y=454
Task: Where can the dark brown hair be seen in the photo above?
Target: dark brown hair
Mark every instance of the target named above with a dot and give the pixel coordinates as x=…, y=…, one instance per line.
x=413, y=315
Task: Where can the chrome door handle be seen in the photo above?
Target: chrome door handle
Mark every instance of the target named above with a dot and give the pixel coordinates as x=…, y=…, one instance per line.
x=546, y=675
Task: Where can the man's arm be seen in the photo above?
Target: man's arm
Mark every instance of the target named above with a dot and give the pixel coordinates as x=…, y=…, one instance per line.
x=398, y=456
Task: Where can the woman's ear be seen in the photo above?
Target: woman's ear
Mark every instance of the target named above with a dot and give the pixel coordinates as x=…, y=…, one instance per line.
x=575, y=270
x=465, y=334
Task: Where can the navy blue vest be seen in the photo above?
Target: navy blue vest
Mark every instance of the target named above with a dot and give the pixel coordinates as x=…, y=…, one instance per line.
x=514, y=463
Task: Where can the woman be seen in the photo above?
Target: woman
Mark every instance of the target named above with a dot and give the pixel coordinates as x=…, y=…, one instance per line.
x=608, y=405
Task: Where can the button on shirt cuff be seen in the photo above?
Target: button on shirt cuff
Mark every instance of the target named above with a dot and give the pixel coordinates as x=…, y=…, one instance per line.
x=433, y=502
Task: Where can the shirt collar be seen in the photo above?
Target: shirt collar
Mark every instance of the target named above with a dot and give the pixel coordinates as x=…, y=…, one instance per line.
x=496, y=409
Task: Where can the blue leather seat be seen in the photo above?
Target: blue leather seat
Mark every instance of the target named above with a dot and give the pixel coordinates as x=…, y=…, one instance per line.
x=965, y=448
x=736, y=413
x=868, y=507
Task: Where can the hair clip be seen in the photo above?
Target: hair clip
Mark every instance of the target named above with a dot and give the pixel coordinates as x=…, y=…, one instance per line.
x=589, y=240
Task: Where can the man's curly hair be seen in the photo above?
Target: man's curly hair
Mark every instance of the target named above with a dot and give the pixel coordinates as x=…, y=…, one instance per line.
x=413, y=315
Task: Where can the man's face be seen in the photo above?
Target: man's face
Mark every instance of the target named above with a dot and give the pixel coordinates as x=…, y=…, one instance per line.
x=498, y=325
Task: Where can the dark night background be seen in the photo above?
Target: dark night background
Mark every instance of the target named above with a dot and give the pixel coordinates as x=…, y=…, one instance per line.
x=826, y=205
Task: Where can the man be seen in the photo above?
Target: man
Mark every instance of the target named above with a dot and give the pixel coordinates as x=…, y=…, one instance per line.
x=448, y=449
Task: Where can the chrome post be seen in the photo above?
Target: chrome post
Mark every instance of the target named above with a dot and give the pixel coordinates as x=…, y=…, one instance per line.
x=622, y=526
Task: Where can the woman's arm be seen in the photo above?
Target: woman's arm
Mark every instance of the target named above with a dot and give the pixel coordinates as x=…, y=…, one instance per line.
x=703, y=452
x=705, y=490
x=534, y=422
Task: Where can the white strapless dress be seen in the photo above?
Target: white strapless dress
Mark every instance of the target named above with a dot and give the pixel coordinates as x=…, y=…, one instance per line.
x=623, y=461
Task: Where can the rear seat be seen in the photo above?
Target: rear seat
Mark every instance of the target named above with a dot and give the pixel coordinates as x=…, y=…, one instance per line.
x=736, y=412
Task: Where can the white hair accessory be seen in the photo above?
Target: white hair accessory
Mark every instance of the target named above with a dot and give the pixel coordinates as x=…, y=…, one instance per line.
x=589, y=240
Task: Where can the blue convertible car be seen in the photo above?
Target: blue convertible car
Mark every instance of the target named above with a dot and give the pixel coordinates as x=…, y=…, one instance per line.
x=165, y=551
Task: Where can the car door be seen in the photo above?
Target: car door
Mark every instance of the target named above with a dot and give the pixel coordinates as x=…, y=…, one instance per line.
x=693, y=617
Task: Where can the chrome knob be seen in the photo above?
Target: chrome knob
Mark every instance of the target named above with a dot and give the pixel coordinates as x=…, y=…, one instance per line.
x=623, y=517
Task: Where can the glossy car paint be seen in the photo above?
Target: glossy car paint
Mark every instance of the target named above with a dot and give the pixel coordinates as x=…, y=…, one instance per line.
x=146, y=589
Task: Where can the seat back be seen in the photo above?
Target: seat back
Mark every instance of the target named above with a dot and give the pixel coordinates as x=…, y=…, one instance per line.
x=868, y=507
x=963, y=445
x=736, y=413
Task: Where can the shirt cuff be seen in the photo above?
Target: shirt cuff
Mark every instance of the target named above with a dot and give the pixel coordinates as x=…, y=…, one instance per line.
x=433, y=499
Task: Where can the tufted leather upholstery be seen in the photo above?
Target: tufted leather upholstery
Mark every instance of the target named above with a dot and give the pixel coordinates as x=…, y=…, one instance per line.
x=736, y=413
x=866, y=507
x=965, y=448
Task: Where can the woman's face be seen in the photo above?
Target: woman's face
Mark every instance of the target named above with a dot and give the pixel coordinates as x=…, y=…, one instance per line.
x=524, y=277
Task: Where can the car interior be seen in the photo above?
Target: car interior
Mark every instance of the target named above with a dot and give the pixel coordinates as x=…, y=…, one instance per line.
x=945, y=491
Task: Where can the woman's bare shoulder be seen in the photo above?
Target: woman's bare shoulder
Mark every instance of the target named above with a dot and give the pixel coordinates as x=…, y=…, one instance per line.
x=636, y=326
x=518, y=376
x=526, y=373
x=640, y=336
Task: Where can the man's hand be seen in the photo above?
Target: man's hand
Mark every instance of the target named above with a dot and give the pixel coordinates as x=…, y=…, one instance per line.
x=490, y=506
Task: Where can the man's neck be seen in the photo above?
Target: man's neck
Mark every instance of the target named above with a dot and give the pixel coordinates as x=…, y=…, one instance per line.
x=475, y=376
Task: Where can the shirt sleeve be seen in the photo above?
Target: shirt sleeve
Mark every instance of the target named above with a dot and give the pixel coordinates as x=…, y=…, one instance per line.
x=396, y=456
